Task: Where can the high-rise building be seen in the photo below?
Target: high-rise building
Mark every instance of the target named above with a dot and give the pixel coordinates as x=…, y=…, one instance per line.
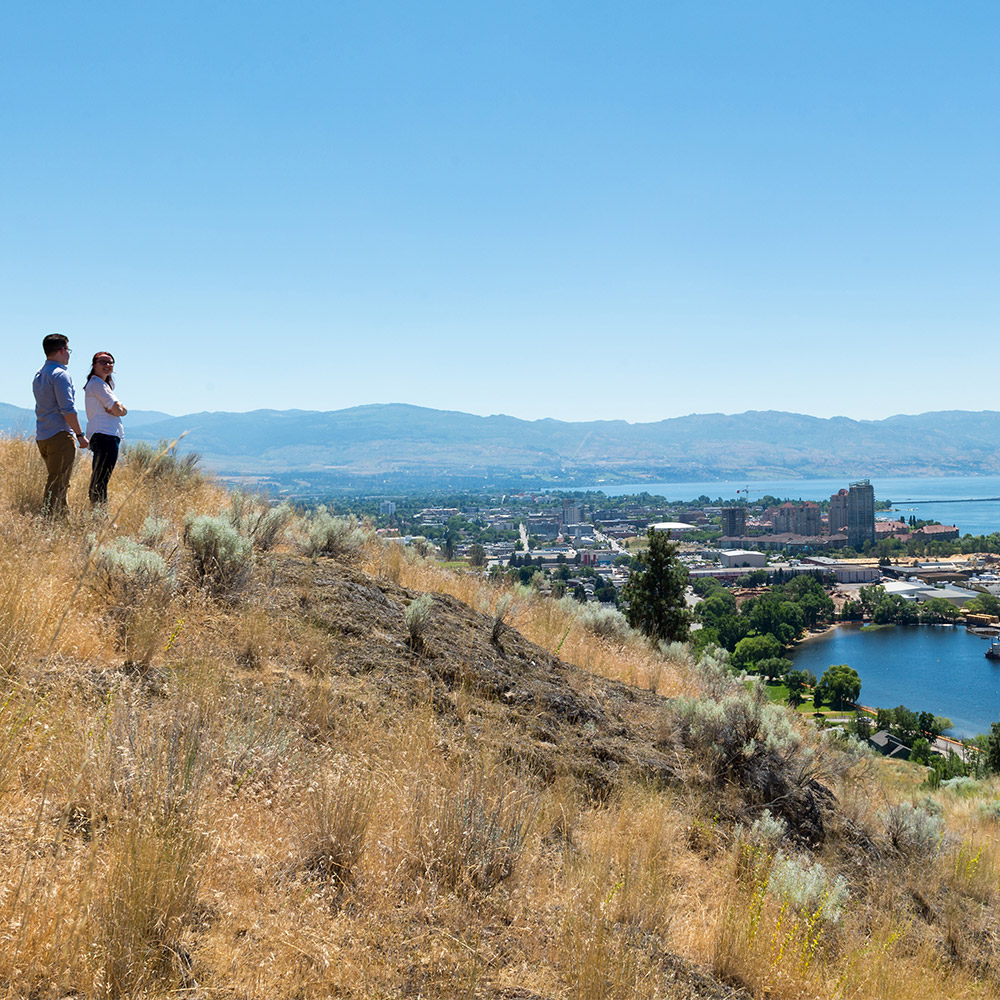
x=797, y=518
x=572, y=511
x=838, y=512
x=860, y=514
x=734, y=522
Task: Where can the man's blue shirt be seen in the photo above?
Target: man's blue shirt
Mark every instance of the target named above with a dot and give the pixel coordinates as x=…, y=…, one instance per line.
x=54, y=399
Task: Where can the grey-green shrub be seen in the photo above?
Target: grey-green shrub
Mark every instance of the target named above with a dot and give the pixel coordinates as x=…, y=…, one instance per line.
x=154, y=531
x=135, y=584
x=962, y=785
x=148, y=782
x=335, y=824
x=714, y=673
x=607, y=623
x=808, y=888
x=765, y=831
x=254, y=518
x=323, y=534
x=989, y=810
x=418, y=616
x=913, y=830
x=257, y=740
x=221, y=558
x=503, y=610
x=744, y=741
x=124, y=570
x=469, y=837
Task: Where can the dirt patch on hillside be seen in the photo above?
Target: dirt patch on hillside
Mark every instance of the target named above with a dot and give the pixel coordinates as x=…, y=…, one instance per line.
x=558, y=719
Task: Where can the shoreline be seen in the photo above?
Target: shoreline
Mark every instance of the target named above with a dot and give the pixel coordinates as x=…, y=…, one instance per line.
x=819, y=633
x=963, y=727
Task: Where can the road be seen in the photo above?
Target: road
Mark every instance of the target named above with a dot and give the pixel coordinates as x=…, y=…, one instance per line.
x=610, y=542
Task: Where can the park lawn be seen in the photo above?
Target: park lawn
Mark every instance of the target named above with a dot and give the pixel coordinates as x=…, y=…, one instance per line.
x=778, y=693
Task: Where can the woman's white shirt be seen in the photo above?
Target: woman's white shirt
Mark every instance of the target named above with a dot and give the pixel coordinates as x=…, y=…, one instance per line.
x=99, y=396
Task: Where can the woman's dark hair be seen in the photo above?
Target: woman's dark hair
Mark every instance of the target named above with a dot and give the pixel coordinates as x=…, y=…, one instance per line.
x=93, y=368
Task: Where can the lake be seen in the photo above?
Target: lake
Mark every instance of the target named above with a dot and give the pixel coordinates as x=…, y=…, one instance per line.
x=971, y=502
x=924, y=667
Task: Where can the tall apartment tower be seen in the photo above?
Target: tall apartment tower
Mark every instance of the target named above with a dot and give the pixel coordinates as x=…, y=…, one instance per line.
x=734, y=522
x=572, y=512
x=860, y=514
x=838, y=512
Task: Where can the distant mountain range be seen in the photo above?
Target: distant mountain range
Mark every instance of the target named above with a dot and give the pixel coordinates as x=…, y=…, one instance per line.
x=411, y=444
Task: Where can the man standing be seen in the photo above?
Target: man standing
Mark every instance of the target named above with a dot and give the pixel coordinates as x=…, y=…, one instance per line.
x=57, y=427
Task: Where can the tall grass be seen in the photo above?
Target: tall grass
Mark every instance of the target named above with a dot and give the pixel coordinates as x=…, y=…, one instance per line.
x=269, y=821
x=337, y=816
x=567, y=629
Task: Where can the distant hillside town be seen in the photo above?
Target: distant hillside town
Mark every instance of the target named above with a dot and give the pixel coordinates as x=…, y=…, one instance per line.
x=584, y=545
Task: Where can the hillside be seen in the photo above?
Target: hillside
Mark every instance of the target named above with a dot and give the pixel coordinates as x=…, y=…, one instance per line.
x=413, y=445
x=265, y=774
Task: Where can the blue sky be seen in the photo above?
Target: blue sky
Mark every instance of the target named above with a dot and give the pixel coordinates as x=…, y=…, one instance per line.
x=630, y=211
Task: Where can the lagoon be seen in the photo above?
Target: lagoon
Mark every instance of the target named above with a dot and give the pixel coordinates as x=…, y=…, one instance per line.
x=927, y=668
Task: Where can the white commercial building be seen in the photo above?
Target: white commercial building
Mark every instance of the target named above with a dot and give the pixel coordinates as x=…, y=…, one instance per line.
x=742, y=557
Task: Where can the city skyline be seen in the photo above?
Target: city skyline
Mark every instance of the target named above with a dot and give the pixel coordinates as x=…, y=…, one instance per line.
x=501, y=208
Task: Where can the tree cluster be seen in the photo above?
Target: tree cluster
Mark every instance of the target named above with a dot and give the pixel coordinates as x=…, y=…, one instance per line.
x=927, y=547
x=760, y=628
x=891, y=609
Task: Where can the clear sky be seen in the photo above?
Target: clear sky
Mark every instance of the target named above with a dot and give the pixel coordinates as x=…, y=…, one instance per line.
x=584, y=211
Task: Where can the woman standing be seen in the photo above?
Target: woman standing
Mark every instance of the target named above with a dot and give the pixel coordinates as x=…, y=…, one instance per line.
x=104, y=423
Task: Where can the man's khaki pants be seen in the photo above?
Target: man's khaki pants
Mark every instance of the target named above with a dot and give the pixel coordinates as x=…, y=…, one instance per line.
x=58, y=453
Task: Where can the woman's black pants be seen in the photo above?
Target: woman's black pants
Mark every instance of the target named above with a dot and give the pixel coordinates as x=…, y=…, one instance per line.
x=104, y=448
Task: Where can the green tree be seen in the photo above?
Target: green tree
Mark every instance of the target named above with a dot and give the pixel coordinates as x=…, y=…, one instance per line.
x=816, y=607
x=993, y=748
x=931, y=725
x=774, y=667
x=752, y=650
x=938, y=610
x=852, y=611
x=715, y=605
x=477, y=555
x=920, y=752
x=655, y=591
x=862, y=725
x=703, y=586
x=871, y=596
x=906, y=724
x=795, y=681
x=838, y=686
x=984, y=604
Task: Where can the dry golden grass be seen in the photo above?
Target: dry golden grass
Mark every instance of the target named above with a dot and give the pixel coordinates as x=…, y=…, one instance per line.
x=541, y=620
x=238, y=818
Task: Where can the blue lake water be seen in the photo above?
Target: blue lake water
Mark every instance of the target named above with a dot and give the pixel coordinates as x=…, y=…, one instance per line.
x=971, y=502
x=925, y=668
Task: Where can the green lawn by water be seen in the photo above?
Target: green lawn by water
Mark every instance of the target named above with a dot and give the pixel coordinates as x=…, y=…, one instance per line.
x=778, y=693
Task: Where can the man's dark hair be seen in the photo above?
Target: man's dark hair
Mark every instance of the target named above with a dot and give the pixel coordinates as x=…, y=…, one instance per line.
x=52, y=343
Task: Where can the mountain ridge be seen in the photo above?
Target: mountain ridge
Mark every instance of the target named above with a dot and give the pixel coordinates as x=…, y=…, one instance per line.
x=421, y=443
